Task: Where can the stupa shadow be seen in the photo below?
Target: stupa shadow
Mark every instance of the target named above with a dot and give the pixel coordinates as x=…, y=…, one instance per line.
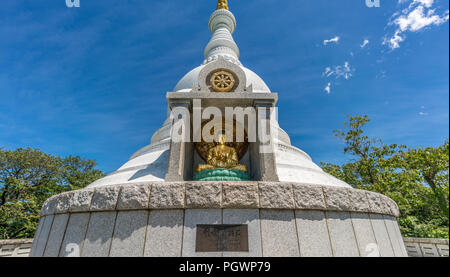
x=157, y=168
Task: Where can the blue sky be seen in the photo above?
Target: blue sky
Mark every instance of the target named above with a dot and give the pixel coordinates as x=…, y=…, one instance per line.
x=91, y=81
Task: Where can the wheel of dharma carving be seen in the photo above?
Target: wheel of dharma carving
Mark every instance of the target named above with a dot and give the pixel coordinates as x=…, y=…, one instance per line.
x=222, y=81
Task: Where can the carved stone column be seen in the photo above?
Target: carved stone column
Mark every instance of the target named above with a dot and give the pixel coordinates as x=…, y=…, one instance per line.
x=262, y=152
x=181, y=151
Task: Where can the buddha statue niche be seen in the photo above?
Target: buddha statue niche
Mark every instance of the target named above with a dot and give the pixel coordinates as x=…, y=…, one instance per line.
x=222, y=156
x=222, y=164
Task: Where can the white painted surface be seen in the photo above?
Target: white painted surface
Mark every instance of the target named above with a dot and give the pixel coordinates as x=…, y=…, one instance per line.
x=150, y=163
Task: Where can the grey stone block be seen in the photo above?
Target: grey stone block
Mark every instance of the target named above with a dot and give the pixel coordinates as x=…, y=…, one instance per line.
x=413, y=249
x=129, y=234
x=203, y=195
x=359, y=201
x=56, y=235
x=279, y=233
x=313, y=234
x=276, y=196
x=342, y=236
x=43, y=236
x=81, y=200
x=377, y=203
x=396, y=241
x=382, y=236
x=74, y=237
x=105, y=198
x=98, y=236
x=240, y=196
x=365, y=237
x=49, y=206
x=164, y=233
x=181, y=154
x=191, y=219
x=399, y=234
x=63, y=202
x=392, y=206
x=167, y=196
x=443, y=250
x=249, y=217
x=133, y=197
x=429, y=250
x=309, y=197
x=337, y=199
x=36, y=236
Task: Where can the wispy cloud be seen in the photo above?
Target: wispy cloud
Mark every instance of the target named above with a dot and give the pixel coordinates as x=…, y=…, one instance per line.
x=331, y=40
x=364, y=43
x=423, y=112
x=328, y=88
x=417, y=16
x=339, y=71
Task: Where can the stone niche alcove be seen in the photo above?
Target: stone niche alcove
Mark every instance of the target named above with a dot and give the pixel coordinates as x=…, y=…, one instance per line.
x=184, y=157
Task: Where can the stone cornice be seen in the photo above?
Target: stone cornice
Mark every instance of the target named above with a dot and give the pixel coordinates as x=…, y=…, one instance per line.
x=220, y=195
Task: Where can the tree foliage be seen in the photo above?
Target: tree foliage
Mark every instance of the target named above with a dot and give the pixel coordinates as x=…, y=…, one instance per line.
x=27, y=178
x=417, y=179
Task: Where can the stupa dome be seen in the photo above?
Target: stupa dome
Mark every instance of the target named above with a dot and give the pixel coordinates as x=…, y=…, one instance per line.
x=190, y=80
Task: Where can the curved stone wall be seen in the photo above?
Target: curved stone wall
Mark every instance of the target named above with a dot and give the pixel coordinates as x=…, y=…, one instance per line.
x=159, y=219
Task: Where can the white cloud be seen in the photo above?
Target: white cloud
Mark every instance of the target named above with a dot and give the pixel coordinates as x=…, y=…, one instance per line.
x=328, y=88
x=416, y=17
x=332, y=40
x=422, y=112
x=340, y=71
x=426, y=3
x=394, y=41
x=364, y=44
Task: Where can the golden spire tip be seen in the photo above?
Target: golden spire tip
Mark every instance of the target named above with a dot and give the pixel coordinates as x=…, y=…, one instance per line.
x=222, y=4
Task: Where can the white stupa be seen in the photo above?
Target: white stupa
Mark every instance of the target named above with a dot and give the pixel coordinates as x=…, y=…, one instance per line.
x=282, y=204
x=150, y=162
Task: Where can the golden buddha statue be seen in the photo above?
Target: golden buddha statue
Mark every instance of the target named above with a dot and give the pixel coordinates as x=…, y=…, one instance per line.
x=222, y=156
x=222, y=4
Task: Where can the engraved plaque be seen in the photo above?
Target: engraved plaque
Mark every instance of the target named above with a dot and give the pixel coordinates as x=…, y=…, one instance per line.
x=222, y=238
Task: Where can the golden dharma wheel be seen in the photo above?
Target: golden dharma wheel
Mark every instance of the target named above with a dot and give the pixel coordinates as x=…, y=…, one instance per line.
x=203, y=146
x=222, y=81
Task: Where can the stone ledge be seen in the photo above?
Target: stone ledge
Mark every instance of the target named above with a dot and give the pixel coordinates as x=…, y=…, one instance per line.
x=216, y=195
x=167, y=196
x=15, y=241
x=203, y=195
x=276, y=196
x=240, y=195
x=134, y=197
x=426, y=240
x=309, y=197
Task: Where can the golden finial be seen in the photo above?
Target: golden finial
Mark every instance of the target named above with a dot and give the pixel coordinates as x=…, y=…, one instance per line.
x=222, y=4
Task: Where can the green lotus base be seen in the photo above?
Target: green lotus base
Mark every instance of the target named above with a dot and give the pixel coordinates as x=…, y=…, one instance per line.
x=221, y=174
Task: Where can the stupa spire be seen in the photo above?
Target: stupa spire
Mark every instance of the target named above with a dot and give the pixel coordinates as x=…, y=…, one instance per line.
x=222, y=25
x=222, y=4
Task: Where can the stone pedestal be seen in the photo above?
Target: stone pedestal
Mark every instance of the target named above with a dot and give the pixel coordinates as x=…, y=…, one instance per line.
x=161, y=220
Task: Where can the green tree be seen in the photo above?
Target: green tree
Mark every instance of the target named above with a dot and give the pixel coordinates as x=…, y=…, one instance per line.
x=417, y=179
x=27, y=178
